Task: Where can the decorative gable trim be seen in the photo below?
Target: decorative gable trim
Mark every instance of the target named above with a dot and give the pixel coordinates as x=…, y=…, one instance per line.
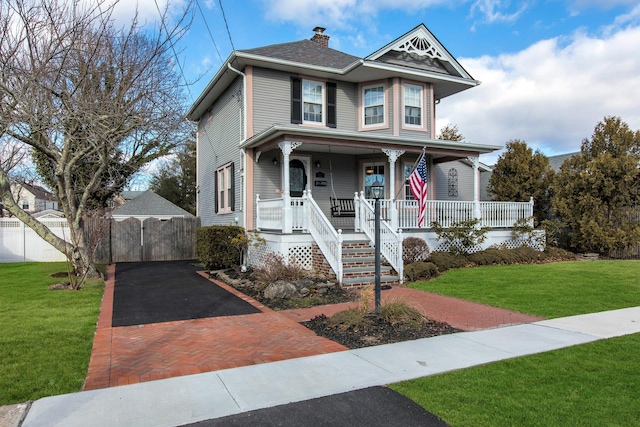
x=421, y=43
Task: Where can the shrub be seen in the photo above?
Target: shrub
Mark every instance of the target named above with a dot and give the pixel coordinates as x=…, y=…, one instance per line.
x=558, y=254
x=420, y=270
x=220, y=246
x=347, y=319
x=274, y=268
x=446, y=261
x=522, y=230
x=461, y=236
x=414, y=249
x=493, y=256
x=525, y=254
x=399, y=312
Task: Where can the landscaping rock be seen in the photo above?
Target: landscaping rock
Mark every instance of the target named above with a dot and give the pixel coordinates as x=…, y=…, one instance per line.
x=280, y=289
x=304, y=292
x=303, y=283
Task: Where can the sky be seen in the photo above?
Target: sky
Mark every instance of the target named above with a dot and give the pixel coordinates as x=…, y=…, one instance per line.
x=550, y=70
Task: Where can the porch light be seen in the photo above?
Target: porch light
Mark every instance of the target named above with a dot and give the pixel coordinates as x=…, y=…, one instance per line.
x=275, y=161
x=377, y=189
x=317, y=164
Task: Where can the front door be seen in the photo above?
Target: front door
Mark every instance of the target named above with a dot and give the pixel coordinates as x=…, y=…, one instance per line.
x=297, y=178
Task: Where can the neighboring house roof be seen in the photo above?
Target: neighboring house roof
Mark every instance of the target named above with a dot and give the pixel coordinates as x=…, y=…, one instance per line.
x=38, y=192
x=556, y=161
x=149, y=204
x=130, y=195
x=48, y=213
x=417, y=55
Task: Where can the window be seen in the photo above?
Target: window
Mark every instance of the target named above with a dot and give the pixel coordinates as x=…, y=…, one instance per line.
x=308, y=99
x=373, y=105
x=225, y=199
x=25, y=204
x=453, y=182
x=373, y=175
x=408, y=195
x=412, y=105
x=312, y=101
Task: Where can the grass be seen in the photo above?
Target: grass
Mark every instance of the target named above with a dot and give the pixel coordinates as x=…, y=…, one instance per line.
x=548, y=290
x=46, y=336
x=593, y=384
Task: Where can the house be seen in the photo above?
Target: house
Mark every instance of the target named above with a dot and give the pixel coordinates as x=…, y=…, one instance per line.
x=294, y=138
x=33, y=198
x=147, y=204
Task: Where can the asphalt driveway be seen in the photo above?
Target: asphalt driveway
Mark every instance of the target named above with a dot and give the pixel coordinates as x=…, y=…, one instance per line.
x=166, y=291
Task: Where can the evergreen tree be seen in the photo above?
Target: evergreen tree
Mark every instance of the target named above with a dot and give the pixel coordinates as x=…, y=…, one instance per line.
x=598, y=190
x=519, y=174
x=175, y=180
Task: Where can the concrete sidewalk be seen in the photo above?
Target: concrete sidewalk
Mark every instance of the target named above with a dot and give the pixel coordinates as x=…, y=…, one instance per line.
x=188, y=399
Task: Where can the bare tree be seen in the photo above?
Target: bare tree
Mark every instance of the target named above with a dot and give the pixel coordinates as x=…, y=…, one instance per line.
x=93, y=102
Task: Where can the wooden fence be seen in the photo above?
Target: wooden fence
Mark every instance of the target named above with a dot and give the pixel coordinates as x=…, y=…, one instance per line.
x=133, y=240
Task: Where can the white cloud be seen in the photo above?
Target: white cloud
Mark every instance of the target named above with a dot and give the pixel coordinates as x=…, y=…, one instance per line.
x=551, y=94
x=125, y=10
x=340, y=14
x=497, y=10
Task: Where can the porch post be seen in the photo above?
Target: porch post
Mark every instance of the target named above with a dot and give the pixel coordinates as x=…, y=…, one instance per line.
x=393, y=155
x=287, y=216
x=475, y=161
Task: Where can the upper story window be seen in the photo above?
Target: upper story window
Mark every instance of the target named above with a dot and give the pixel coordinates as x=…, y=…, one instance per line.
x=413, y=105
x=373, y=105
x=312, y=101
x=25, y=204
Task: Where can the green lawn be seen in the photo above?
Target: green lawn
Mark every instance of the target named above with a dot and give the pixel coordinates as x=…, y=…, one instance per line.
x=46, y=336
x=548, y=290
x=593, y=384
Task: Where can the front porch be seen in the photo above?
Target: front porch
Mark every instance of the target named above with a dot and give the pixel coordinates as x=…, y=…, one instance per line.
x=301, y=231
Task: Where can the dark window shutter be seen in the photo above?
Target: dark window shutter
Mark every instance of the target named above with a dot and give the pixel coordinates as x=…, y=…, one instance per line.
x=232, y=197
x=296, y=100
x=331, y=105
x=215, y=194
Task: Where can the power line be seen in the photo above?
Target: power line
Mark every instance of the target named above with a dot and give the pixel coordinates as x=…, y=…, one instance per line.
x=206, y=24
x=226, y=24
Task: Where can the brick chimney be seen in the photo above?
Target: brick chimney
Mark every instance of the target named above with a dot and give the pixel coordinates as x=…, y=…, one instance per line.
x=319, y=37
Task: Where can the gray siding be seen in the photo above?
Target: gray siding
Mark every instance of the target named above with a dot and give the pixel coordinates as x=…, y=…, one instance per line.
x=271, y=98
x=465, y=181
x=272, y=101
x=219, y=133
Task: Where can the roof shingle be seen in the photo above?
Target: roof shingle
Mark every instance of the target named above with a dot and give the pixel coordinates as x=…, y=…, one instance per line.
x=305, y=52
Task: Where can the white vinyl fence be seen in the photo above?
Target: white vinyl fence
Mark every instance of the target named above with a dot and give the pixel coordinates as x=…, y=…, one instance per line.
x=19, y=243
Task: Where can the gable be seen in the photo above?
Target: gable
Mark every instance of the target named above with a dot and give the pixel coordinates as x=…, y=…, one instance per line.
x=420, y=49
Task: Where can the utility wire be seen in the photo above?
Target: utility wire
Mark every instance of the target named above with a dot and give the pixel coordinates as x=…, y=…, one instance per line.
x=206, y=24
x=226, y=24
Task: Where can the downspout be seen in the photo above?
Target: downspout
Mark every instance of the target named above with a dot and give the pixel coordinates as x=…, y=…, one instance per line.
x=244, y=136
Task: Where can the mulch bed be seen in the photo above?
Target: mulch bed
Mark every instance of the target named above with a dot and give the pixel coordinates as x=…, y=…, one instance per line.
x=376, y=331
x=373, y=331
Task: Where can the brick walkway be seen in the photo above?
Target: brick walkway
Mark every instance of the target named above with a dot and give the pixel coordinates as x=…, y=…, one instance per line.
x=132, y=354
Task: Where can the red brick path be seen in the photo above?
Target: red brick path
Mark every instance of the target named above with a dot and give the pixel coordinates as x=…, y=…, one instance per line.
x=132, y=354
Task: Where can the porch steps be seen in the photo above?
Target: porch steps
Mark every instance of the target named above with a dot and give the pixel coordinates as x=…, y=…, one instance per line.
x=358, y=265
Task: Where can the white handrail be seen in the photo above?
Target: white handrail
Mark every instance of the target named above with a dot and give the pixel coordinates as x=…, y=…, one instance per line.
x=328, y=239
x=390, y=241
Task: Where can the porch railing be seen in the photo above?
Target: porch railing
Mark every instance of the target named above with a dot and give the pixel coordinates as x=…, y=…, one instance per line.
x=328, y=239
x=492, y=214
x=390, y=241
x=269, y=213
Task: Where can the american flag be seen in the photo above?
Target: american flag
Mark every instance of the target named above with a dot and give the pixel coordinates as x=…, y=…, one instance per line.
x=418, y=185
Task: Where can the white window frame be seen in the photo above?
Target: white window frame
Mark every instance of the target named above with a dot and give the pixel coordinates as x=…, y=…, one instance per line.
x=309, y=101
x=410, y=103
x=223, y=192
x=365, y=106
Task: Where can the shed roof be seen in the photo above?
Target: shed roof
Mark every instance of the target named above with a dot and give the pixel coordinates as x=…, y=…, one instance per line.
x=150, y=204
